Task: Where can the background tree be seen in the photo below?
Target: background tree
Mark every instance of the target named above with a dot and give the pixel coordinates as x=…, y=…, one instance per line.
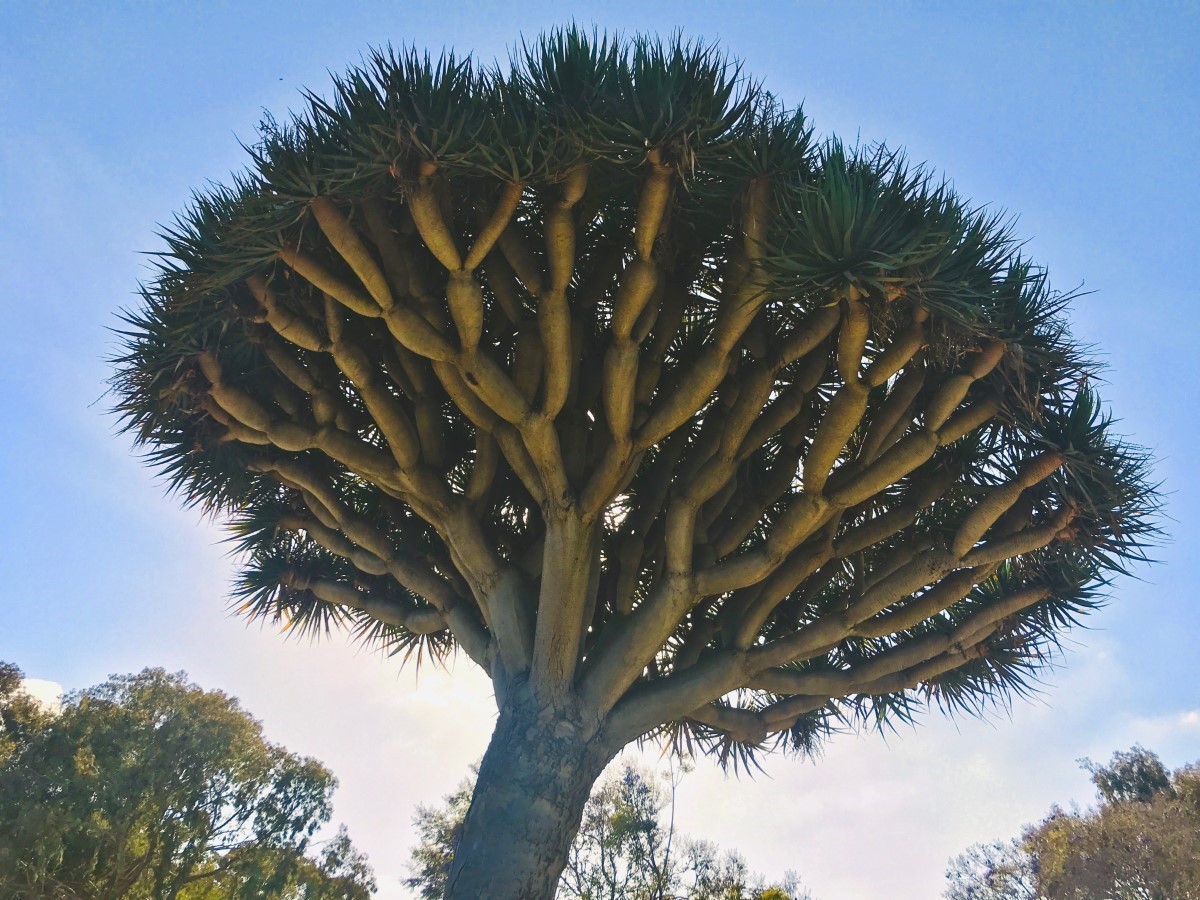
x=1131, y=775
x=683, y=426
x=439, y=829
x=1141, y=843
x=1001, y=870
x=148, y=787
x=623, y=849
x=20, y=713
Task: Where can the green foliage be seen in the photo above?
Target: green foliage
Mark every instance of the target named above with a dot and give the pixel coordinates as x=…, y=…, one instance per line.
x=1002, y=870
x=20, y=714
x=624, y=850
x=438, y=832
x=1134, y=775
x=621, y=850
x=1142, y=842
x=146, y=786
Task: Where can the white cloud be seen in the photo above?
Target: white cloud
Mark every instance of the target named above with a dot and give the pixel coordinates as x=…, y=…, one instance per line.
x=1174, y=736
x=48, y=693
x=881, y=818
x=1171, y=724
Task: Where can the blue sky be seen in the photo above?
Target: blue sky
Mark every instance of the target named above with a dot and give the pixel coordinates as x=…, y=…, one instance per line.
x=1082, y=118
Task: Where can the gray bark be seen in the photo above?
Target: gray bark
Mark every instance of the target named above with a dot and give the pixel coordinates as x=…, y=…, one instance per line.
x=533, y=783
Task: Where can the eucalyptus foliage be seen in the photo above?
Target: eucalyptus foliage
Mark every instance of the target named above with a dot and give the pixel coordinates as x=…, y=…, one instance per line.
x=1141, y=842
x=146, y=786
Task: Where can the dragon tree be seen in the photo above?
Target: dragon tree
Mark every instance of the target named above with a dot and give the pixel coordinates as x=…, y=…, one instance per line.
x=681, y=424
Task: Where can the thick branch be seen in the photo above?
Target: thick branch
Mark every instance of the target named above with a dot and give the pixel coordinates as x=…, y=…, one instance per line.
x=413, y=618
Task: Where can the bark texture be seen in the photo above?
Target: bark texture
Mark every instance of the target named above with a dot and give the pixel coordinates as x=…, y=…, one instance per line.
x=533, y=783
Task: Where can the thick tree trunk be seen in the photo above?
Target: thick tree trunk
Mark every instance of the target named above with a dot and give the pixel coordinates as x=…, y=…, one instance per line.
x=533, y=783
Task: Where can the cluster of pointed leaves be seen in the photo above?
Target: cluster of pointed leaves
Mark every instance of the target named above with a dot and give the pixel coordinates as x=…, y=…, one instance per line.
x=794, y=320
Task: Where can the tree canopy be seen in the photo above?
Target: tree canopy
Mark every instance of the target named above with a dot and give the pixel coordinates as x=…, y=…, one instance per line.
x=146, y=786
x=20, y=713
x=683, y=424
x=1001, y=870
x=1134, y=774
x=1141, y=842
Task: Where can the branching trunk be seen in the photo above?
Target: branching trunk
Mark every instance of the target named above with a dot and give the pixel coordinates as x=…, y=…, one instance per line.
x=533, y=783
x=672, y=421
